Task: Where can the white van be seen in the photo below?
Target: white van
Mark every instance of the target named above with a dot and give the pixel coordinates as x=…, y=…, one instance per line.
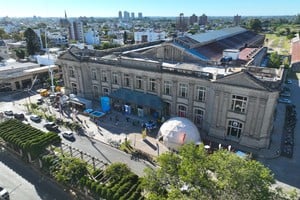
x=4, y=195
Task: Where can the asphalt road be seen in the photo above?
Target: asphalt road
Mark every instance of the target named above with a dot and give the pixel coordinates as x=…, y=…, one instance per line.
x=86, y=144
x=22, y=182
x=287, y=170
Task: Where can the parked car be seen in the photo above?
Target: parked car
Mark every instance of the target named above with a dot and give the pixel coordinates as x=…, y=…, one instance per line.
x=68, y=135
x=288, y=81
x=39, y=101
x=51, y=126
x=19, y=116
x=9, y=113
x=35, y=118
x=150, y=125
x=284, y=100
x=285, y=94
x=4, y=195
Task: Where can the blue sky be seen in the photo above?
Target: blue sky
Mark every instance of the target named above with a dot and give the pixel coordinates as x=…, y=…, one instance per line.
x=110, y=8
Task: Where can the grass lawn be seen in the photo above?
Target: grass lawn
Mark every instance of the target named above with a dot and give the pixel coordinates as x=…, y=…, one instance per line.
x=279, y=43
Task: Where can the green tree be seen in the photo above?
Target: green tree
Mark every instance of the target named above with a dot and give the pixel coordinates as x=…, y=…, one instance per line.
x=3, y=34
x=17, y=36
x=255, y=25
x=274, y=60
x=195, y=174
x=71, y=171
x=20, y=53
x=116, y=171
x=32, y=41
x=297, y=20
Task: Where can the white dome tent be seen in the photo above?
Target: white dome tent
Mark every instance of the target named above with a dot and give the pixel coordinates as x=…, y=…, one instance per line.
x=178, y=131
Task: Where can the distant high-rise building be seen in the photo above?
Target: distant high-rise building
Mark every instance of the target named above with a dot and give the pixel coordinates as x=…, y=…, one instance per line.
x=181, y=23
x=203, y=20
x=120, y=15
x=126, y=16
x=132, y=15
x=76, y=31
x=237, y=20
x=140, y=15
x=193, y=19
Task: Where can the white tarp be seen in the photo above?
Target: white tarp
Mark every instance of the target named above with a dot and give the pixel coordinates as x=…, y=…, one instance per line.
x=178, y=131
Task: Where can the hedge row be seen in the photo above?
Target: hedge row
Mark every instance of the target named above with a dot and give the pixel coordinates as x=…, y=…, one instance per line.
x=26, y=137
x=128, y=187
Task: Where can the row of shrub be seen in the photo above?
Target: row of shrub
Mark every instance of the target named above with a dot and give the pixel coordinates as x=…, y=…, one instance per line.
x=116, y=182
x=26, y=137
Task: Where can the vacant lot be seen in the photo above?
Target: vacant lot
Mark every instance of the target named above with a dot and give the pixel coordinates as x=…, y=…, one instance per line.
x=278, y=43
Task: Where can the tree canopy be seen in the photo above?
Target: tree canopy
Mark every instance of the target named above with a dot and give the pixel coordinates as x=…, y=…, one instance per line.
x=255, y=25
x=195, y=174
x=32, y=41
x=274, y=60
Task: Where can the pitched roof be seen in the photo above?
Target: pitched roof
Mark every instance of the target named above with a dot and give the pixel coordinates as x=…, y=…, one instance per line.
x=296, y=51
x=243, y=79
x=69, y=55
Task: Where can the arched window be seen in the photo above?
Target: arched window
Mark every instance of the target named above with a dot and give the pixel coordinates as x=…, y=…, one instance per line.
x=234, y=128
x=95, y=92
x=198, y=116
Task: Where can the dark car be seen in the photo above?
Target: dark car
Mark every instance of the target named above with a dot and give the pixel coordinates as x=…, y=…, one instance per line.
x=288, y=81
x=40, y=101
x=150, y=125
x=51, y=126
x=19, y=116
x=9, y=113
x=35, y=118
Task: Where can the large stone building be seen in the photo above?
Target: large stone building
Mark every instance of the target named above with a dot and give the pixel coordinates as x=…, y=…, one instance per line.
x=166, y=80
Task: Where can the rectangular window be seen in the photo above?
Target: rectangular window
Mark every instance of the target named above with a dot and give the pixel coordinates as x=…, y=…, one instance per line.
x=95, y=92
x=182, y=111
x=71, y=72
x=138, y=82
x=104, y=76
x=183, y=90
x=74, y=88
x=200, y=93
x=126, y=80
x=152, y=85
x=198, y=117
x=115, y=78
x=94, y=75
x=105, y=91
x=167, y=87
x=234, y=128
x=238, y=103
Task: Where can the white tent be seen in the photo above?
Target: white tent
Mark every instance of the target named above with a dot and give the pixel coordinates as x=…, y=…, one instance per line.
x=178, y=131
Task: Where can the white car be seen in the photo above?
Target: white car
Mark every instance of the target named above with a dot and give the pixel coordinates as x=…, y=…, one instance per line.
x=68, y=135
x=284, y=100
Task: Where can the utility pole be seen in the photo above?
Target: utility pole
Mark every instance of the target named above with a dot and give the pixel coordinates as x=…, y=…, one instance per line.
x=49, y=67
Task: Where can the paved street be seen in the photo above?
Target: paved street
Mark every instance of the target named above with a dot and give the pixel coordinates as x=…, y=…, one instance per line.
x=22, y=182
x=286, y=170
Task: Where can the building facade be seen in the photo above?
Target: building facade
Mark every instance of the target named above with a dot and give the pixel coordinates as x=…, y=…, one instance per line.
x=203, y=20
x=237, y=108
x=148, y=36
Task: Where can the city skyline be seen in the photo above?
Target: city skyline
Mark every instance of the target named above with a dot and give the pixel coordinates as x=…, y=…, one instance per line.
x=165, y=8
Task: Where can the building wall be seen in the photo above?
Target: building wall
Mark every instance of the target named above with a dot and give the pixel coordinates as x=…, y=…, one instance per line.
x=256, y=120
